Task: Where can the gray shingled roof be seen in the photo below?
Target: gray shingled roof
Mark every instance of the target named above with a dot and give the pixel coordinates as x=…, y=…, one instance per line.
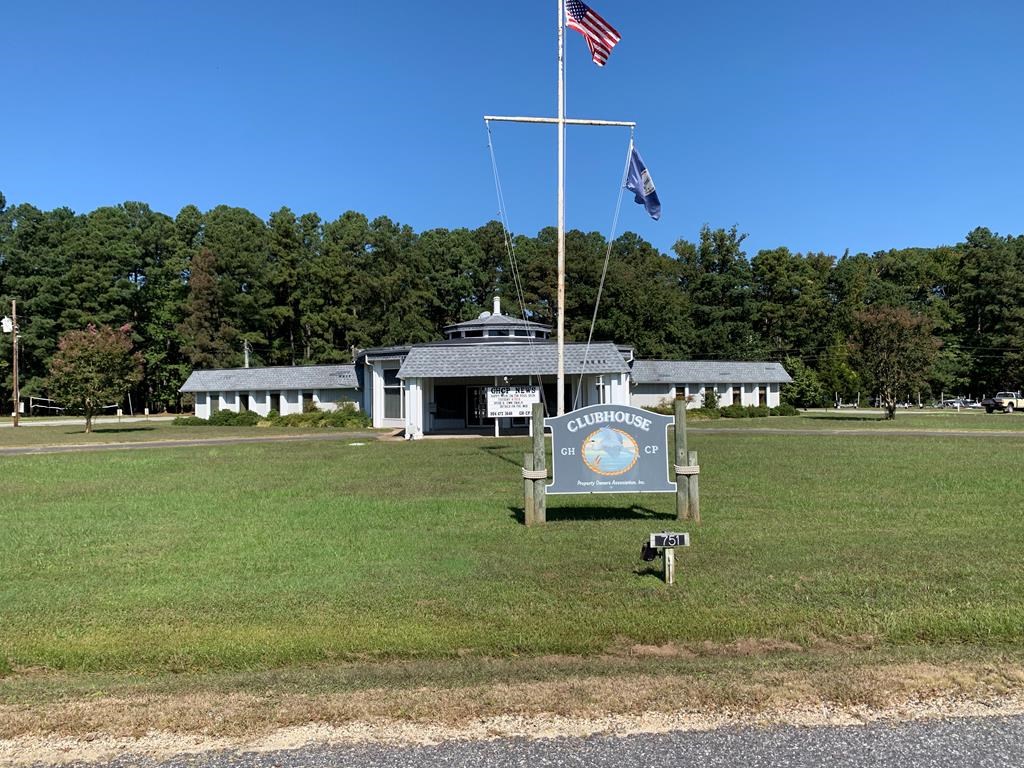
x=537, y=359
x=497, y=321
x=707, y=372
x=283, y=377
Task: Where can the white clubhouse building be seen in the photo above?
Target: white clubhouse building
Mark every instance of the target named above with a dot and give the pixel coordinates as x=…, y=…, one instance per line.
x=438, y=387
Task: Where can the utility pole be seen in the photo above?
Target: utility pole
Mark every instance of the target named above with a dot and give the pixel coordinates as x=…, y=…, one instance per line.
x=17, y=391
x=10, y=325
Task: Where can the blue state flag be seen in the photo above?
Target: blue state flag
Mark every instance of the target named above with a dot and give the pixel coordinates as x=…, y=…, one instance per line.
x=639, y=181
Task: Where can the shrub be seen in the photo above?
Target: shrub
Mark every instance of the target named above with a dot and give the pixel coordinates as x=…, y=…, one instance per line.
x=232, y=419
x=710, y=398
x=346, y=416
x=189, y=421
x=247, y=419
x=665, y=407
x=785, y=409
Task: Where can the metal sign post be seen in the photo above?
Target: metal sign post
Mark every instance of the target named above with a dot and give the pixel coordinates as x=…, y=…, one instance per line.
x=666, y=543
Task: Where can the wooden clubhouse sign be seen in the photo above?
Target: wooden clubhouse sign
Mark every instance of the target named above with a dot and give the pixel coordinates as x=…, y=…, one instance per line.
x=610, y=449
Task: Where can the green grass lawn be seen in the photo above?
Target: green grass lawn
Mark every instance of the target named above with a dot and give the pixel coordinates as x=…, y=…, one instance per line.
x=136, y=432
x=259, y=556
x=927, y=420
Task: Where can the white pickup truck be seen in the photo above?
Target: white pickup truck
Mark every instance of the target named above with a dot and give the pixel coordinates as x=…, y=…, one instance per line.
x=1007, y=402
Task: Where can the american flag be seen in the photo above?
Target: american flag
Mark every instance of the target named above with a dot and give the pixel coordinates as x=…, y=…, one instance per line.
x=600, y=35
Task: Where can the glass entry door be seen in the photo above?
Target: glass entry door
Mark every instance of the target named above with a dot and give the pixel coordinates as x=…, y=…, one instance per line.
x=476, y=407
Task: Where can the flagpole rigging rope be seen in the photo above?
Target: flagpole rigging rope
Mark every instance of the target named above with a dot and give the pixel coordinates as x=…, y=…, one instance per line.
x=510, y=249
x=604, y=270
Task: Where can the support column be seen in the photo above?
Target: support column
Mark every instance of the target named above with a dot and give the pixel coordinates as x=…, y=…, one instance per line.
x=539, y=465
x=529, y=510
x=694, y=487
x=681, y=458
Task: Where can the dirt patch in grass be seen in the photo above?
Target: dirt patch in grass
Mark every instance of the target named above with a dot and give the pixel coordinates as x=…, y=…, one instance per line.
x=98, y=726
x=745, y=647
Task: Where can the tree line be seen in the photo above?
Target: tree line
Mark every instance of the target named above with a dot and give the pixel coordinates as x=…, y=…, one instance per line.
x=197, y=288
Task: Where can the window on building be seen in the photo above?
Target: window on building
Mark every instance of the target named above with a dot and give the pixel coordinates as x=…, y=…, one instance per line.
x=474, y=334
x=449, y=402
x=393, y=400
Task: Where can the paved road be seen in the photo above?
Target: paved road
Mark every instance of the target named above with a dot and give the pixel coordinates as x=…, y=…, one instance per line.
x=996, y=742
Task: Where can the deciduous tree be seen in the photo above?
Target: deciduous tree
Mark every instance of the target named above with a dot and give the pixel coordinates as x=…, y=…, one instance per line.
x=897, y=350
x=93, y=368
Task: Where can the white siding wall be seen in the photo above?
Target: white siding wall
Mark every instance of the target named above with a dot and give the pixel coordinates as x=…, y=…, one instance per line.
x=332, y=399
x=414, y=407
x=291, y=401
x=651, y=395
x=618, y=388
x=376, y=389
x=259, y=402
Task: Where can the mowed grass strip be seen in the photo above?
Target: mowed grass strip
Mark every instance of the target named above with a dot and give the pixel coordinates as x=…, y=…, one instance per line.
x=911, y=420
x=29, y=435
x=260, y=556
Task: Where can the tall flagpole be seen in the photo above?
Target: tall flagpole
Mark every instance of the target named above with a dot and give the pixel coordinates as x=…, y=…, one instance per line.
x=561, y=121
x=561, y=208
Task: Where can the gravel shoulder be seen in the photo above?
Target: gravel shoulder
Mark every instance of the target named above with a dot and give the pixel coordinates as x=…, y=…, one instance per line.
x=154, y=726
x=159, y=746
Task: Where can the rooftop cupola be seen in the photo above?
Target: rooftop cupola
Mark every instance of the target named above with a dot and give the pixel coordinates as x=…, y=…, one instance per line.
x=492, y=327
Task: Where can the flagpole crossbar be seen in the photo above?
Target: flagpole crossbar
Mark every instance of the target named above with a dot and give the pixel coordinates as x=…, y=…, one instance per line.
x=601, y=37
x=554, y=121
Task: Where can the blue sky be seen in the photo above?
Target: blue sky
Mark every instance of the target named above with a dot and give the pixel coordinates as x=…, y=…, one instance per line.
x=818, y=126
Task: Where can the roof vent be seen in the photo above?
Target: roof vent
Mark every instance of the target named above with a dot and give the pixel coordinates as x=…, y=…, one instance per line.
x=484, y=315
